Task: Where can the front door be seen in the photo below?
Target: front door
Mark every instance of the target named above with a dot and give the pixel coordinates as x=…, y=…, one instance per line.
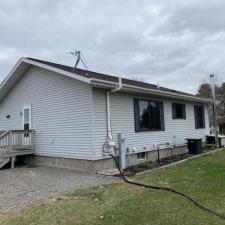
x=26, y=124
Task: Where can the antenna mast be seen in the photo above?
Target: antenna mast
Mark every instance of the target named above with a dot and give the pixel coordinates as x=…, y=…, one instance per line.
x=80, y=57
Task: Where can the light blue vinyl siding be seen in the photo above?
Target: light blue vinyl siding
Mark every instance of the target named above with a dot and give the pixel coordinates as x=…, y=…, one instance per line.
x=61, y=113
x=70, y=121
x=122, y=120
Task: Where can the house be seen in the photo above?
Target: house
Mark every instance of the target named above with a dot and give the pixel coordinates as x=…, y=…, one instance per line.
x=66, y=117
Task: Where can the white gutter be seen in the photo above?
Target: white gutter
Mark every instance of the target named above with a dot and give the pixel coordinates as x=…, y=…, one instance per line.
x=126, y=87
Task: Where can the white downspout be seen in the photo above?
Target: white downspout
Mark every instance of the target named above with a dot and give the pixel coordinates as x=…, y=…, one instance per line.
x=109, y=130
x=120, y=85
x=110, y=141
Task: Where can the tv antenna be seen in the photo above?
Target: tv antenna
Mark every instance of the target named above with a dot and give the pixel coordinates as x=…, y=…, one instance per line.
x=79, y=58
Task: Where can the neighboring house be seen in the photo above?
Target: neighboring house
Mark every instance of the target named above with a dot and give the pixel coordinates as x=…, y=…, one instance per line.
x=75, y=113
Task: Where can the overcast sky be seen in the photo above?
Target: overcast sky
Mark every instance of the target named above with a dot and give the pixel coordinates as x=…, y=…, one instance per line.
x=175, y=43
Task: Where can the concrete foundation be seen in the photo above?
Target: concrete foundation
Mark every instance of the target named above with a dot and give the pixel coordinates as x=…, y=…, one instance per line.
x=89, y=166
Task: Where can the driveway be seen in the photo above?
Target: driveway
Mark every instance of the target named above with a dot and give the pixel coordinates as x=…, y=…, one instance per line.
x=21, y=187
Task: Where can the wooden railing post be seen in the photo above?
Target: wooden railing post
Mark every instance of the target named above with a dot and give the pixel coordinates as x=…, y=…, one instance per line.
x=10, y=141
x=17, y=140
x=32, y=140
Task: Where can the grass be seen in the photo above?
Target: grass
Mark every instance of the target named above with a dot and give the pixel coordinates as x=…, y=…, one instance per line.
x=128, y=205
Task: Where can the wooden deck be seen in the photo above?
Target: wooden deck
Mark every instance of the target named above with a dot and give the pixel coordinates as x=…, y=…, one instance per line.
x=15, y=143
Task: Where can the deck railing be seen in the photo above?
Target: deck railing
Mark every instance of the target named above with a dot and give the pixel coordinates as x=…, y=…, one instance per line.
x=17, y=140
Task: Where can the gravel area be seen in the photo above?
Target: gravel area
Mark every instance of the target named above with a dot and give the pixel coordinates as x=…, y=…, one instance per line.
x=21, y=187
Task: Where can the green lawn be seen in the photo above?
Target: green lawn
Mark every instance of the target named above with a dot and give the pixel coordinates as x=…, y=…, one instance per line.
x=123, y=204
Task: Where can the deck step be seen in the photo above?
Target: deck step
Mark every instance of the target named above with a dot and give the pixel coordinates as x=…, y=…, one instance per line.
x=4, y=161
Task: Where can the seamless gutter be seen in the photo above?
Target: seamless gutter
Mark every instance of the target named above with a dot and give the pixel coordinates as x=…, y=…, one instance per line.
x=127, y=87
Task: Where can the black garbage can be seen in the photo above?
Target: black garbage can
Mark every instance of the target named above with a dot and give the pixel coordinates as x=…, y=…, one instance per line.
x=194, y=145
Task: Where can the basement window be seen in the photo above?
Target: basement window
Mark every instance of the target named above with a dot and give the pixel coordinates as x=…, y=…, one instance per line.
x=141, y=155
x=178, y=111
x=148, y=115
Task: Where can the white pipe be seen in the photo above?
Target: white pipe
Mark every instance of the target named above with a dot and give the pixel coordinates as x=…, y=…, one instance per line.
x=120, y=85
x=109, y=130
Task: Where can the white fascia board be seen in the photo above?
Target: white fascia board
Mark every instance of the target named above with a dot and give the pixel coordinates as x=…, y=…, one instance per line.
x=126, y=87
x=11, y=72
x=60, y=71
x=41, y=65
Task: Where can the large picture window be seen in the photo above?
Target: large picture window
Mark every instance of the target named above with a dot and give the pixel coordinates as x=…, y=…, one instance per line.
x=148, y=115
x=199, y=117
x=178, y=111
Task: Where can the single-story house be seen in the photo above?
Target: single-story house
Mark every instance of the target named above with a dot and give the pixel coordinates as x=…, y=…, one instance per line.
x=68, y=117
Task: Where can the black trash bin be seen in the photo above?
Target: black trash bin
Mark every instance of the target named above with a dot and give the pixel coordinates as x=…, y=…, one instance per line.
x=194, y=145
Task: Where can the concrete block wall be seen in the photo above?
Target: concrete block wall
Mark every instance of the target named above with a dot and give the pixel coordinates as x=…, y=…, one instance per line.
x=90, y=166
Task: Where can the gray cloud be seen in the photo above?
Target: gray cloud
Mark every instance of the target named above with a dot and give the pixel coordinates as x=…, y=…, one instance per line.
x=176, y=43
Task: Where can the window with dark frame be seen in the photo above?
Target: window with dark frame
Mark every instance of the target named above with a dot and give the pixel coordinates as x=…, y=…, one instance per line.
x=178, y=111
x=199, y=116
x=26, y=121
x=141, y=155
x=149, y=115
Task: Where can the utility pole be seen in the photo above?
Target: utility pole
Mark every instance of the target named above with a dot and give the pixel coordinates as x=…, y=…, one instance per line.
x=213, y=91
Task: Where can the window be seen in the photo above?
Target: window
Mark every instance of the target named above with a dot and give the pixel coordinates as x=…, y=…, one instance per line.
x=26, y=119
x=199, y=116
x=178, y=111
x=141, y=155
x=148, y=115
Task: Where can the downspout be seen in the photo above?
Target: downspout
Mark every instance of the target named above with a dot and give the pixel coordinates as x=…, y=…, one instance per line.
x=109, y=129
x=110, y=142
x=119, y=87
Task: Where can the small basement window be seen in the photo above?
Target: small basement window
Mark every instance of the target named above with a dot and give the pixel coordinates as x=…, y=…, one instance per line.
x=178, y=111
x=141, y=155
